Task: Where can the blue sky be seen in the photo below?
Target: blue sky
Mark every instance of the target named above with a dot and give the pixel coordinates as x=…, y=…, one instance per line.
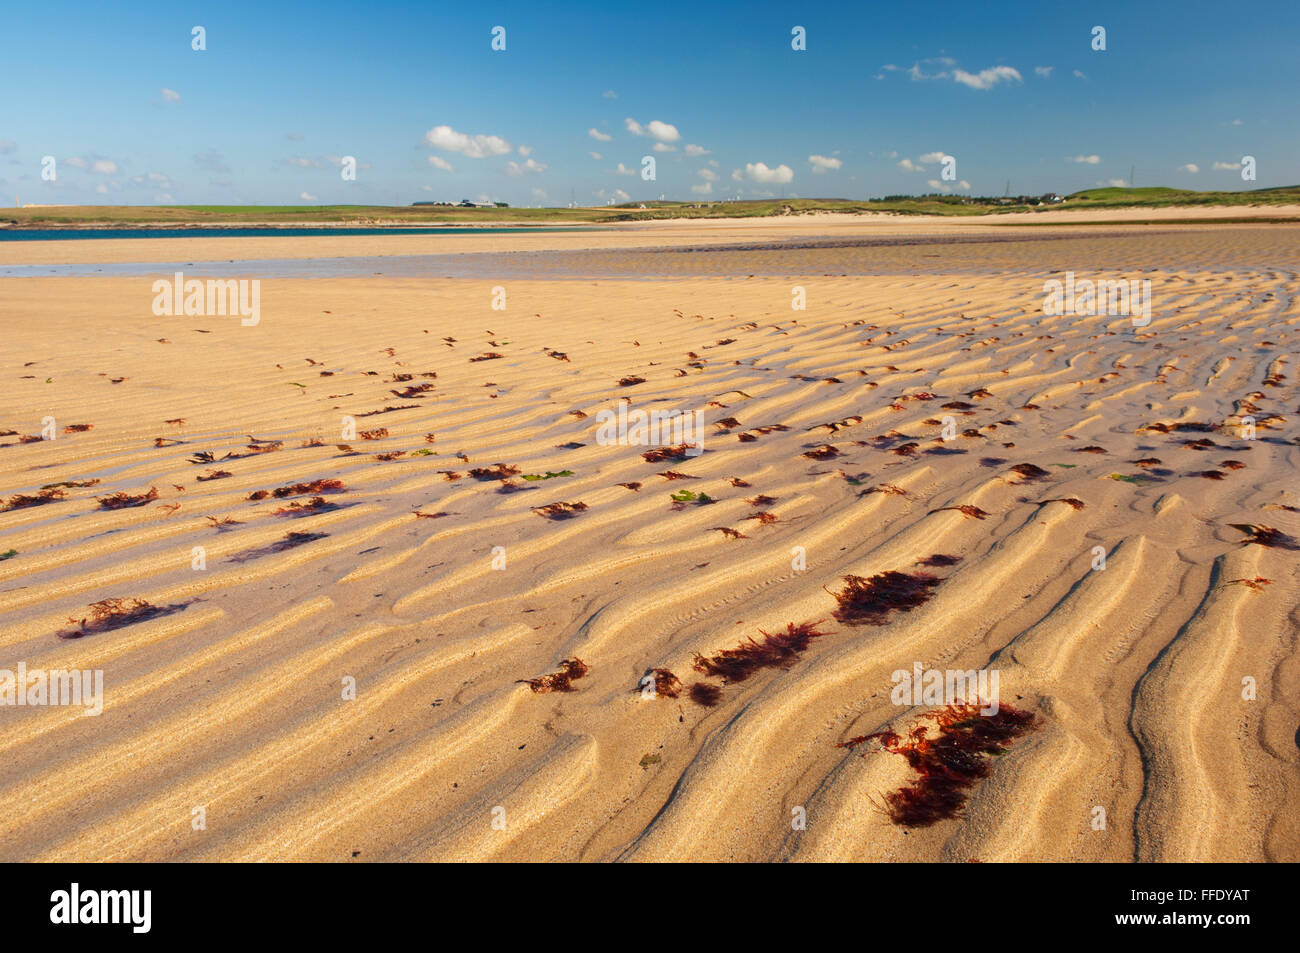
x=713, y=92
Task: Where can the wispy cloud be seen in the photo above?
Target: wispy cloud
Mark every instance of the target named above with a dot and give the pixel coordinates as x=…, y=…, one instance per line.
x=211, y=160
x=945, y=67
x=987, y=78
x=529, y=165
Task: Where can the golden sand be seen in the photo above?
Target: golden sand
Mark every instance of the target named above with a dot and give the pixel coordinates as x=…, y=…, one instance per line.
x=233, y=701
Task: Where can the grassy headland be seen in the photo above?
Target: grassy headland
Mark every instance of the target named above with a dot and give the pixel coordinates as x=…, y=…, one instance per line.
x=411, y=215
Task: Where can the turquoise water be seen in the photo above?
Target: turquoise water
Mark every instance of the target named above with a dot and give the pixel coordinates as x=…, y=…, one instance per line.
x=304, y=231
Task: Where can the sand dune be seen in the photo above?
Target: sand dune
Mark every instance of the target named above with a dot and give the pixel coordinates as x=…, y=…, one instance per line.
x=229, y=695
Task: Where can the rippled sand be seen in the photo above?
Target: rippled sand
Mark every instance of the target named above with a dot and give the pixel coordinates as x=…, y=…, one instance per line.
x=232, y=698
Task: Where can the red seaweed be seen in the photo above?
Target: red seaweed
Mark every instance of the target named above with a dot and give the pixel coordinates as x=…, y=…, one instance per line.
x=949, y=764
x=775, y=651
x=570, y=669
x=870, y=601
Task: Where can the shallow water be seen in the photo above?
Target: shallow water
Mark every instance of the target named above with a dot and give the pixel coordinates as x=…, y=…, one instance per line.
x=1129, y=252
x=263, y=231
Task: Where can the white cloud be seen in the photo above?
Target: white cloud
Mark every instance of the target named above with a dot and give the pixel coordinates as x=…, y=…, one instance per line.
x=302, y=162
x=708, y=175
x=539, y=195
x=609, y=94
x=1088, y=160
x=152, y=178
x=76, y=162
x=938, y=186
x=663, y=131
x=987, y=78
x=525, y=151
x=308, y=197
x=822, y=163
x=104, y=167
x=624, y=170
x=1191, y=167
x=1044, y=71
x=1226, y=166
x=934, y=157
x=664, y=147
x=438, y=162
x=907, y=165
x=170, y=95
x=704, y=188
x=759, y=172
x=102, y=189
x=595, y=155
x=475, y=147
x=693, y=150
x=164, y=198
x=1117, y=183
x=1079, y=74
x=964, y=185
x=529, y=165
x=1236, y=122
x=598, y=135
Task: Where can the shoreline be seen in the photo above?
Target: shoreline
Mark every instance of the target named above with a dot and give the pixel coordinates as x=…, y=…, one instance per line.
x=1190, y=213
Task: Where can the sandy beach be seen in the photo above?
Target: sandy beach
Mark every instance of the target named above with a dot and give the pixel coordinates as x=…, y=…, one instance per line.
x=349, y=580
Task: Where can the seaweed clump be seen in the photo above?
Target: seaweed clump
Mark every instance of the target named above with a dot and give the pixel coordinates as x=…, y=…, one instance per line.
x=561, y=681
x=560, y=510
x=21, y=501
x=950, y=763
x=870, y=601
x=775, y=651
x=1265, y=536
x=666, y=683
x=109, y=614
x=123, y=500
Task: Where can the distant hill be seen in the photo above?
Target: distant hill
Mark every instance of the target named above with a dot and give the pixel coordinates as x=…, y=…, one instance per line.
x=420, y=214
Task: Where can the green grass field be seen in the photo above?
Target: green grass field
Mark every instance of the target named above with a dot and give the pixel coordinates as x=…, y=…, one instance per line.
x=949, y=205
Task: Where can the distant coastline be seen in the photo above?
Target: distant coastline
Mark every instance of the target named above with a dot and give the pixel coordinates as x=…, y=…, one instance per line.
x=398, y=218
